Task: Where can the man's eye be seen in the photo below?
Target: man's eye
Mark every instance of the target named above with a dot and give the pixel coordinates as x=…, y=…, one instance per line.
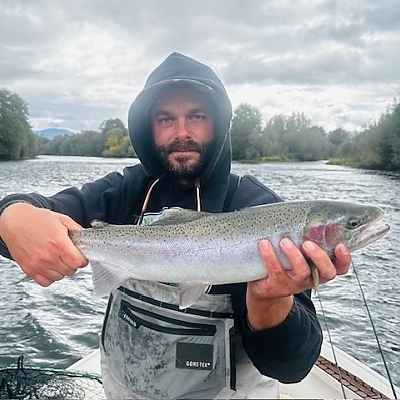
x=164, y=120
x=198, y=117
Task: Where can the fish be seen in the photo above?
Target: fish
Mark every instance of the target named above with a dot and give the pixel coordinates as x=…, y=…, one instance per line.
x=198, y=249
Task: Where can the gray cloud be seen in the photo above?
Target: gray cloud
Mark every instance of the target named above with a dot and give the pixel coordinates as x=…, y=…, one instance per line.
x=78, y=63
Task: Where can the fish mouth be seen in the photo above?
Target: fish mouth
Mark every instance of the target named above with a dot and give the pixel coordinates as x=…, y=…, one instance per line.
x=369, y=235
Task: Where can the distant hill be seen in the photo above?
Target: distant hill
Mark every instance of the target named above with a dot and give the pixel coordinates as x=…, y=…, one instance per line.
x=51, y=133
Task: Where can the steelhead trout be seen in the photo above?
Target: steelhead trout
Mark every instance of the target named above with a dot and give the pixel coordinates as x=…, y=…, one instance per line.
x=197, y=249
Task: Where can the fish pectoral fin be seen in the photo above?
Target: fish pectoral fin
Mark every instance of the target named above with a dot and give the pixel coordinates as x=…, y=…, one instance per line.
x=104, y=279
x=177, y=215
x=97, y=224
x=189, y=293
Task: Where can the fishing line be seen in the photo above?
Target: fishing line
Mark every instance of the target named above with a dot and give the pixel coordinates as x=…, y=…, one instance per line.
x=375, y=333
x=332, y=347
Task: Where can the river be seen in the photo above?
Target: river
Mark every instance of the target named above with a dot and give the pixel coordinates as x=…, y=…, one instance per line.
x=55, y=326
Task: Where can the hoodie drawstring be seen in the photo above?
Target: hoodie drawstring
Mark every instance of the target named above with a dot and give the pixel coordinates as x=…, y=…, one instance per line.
x=146, y=201
x=197, y=189
x=148, y=194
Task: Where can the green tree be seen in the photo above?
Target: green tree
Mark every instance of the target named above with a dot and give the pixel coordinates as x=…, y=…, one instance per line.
x=378, y=146
x=307, y=144
x=118, y=144
x=340, y=143
x=274, y=137
x=112, y=123
x=395, y=138
x=294, y=137
x=90, y=143
x=17, y=141
x=245, y=131
x=338, y=136
x=297, y=122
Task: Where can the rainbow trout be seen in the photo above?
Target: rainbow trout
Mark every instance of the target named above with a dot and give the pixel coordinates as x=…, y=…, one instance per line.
x=198, y=249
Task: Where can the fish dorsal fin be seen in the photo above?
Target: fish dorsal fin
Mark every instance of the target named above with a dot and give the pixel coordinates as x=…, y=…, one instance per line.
x=97, y=224
x=177, y=215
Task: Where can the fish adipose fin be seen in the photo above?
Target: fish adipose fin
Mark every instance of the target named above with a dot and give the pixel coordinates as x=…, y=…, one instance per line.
x=189, y=293
x=105, y=280
x=177, y=215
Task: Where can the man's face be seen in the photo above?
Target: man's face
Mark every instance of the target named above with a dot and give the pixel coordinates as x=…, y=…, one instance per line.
x=183, y=131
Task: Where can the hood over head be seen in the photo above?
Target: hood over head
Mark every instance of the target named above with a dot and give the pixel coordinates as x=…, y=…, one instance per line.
x=180, y=71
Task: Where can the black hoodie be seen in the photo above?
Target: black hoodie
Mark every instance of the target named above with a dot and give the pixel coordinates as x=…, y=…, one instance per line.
x=286, y=352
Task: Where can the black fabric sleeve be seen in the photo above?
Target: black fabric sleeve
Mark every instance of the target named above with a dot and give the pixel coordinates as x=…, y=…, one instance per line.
x=288, y=351
x=252, y=192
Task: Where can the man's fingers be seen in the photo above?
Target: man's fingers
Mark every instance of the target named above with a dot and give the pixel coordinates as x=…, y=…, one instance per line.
x=69, y=272
x=343, y=259
x=301, y=271
x=298, y=277
x=72, y=257
x=69, y=223
x=326, y=270
x=42, y=280
x=267, y=254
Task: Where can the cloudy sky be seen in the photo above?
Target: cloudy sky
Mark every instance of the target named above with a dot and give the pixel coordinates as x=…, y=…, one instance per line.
x=79, y=62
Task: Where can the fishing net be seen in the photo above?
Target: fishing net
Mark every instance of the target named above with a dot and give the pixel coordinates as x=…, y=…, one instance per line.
x=29, y=382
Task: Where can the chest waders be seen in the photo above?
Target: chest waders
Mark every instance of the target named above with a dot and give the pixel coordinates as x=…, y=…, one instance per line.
x=152, y=349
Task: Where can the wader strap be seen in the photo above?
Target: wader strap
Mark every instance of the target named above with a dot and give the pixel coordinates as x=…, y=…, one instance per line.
x=146, y=299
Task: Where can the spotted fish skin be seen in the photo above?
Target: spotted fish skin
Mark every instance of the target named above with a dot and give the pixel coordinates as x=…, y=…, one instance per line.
x=196, y=248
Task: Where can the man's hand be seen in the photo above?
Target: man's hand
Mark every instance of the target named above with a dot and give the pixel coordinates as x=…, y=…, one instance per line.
x=38, y=241
x=270, y=300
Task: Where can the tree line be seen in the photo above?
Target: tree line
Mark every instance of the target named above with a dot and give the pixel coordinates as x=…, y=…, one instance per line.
x=295, y=138
x=110, y=140
x=281, y=138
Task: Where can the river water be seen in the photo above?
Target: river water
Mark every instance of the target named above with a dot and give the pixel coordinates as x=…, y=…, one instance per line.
x=56, y=326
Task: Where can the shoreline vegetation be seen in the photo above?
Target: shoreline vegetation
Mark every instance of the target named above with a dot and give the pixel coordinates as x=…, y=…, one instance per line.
x=345, y=162
x=283, y=138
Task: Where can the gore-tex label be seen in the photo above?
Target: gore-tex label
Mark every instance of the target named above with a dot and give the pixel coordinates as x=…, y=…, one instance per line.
x=194, y=356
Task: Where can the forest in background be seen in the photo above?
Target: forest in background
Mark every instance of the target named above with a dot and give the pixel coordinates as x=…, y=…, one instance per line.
x=281, y=138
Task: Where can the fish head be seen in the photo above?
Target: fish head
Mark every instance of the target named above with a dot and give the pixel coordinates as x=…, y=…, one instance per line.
x=331, y=222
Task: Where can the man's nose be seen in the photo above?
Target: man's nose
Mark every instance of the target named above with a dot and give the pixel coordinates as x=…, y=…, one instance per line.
x=182, y=129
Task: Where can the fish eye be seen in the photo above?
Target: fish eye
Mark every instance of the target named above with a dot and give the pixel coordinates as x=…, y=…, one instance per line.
x=352, y=223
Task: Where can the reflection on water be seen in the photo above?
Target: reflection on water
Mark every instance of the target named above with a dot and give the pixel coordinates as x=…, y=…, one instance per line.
x=59, y=324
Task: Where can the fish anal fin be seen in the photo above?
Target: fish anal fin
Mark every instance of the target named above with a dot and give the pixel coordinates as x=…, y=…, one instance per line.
x=189, y=293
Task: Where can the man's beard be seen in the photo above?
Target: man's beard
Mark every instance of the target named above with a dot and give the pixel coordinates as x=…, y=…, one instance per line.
x=184, y=169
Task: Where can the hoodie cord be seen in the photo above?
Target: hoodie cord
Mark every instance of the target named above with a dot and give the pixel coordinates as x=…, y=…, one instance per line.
x=146, y=201
x=197, y=189
x=148, y=194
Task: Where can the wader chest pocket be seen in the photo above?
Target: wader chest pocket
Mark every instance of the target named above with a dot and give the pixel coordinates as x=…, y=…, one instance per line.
x=157, y=352
x=130, y=314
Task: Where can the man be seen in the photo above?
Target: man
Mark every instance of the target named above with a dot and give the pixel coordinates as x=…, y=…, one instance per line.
x=236, y=335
